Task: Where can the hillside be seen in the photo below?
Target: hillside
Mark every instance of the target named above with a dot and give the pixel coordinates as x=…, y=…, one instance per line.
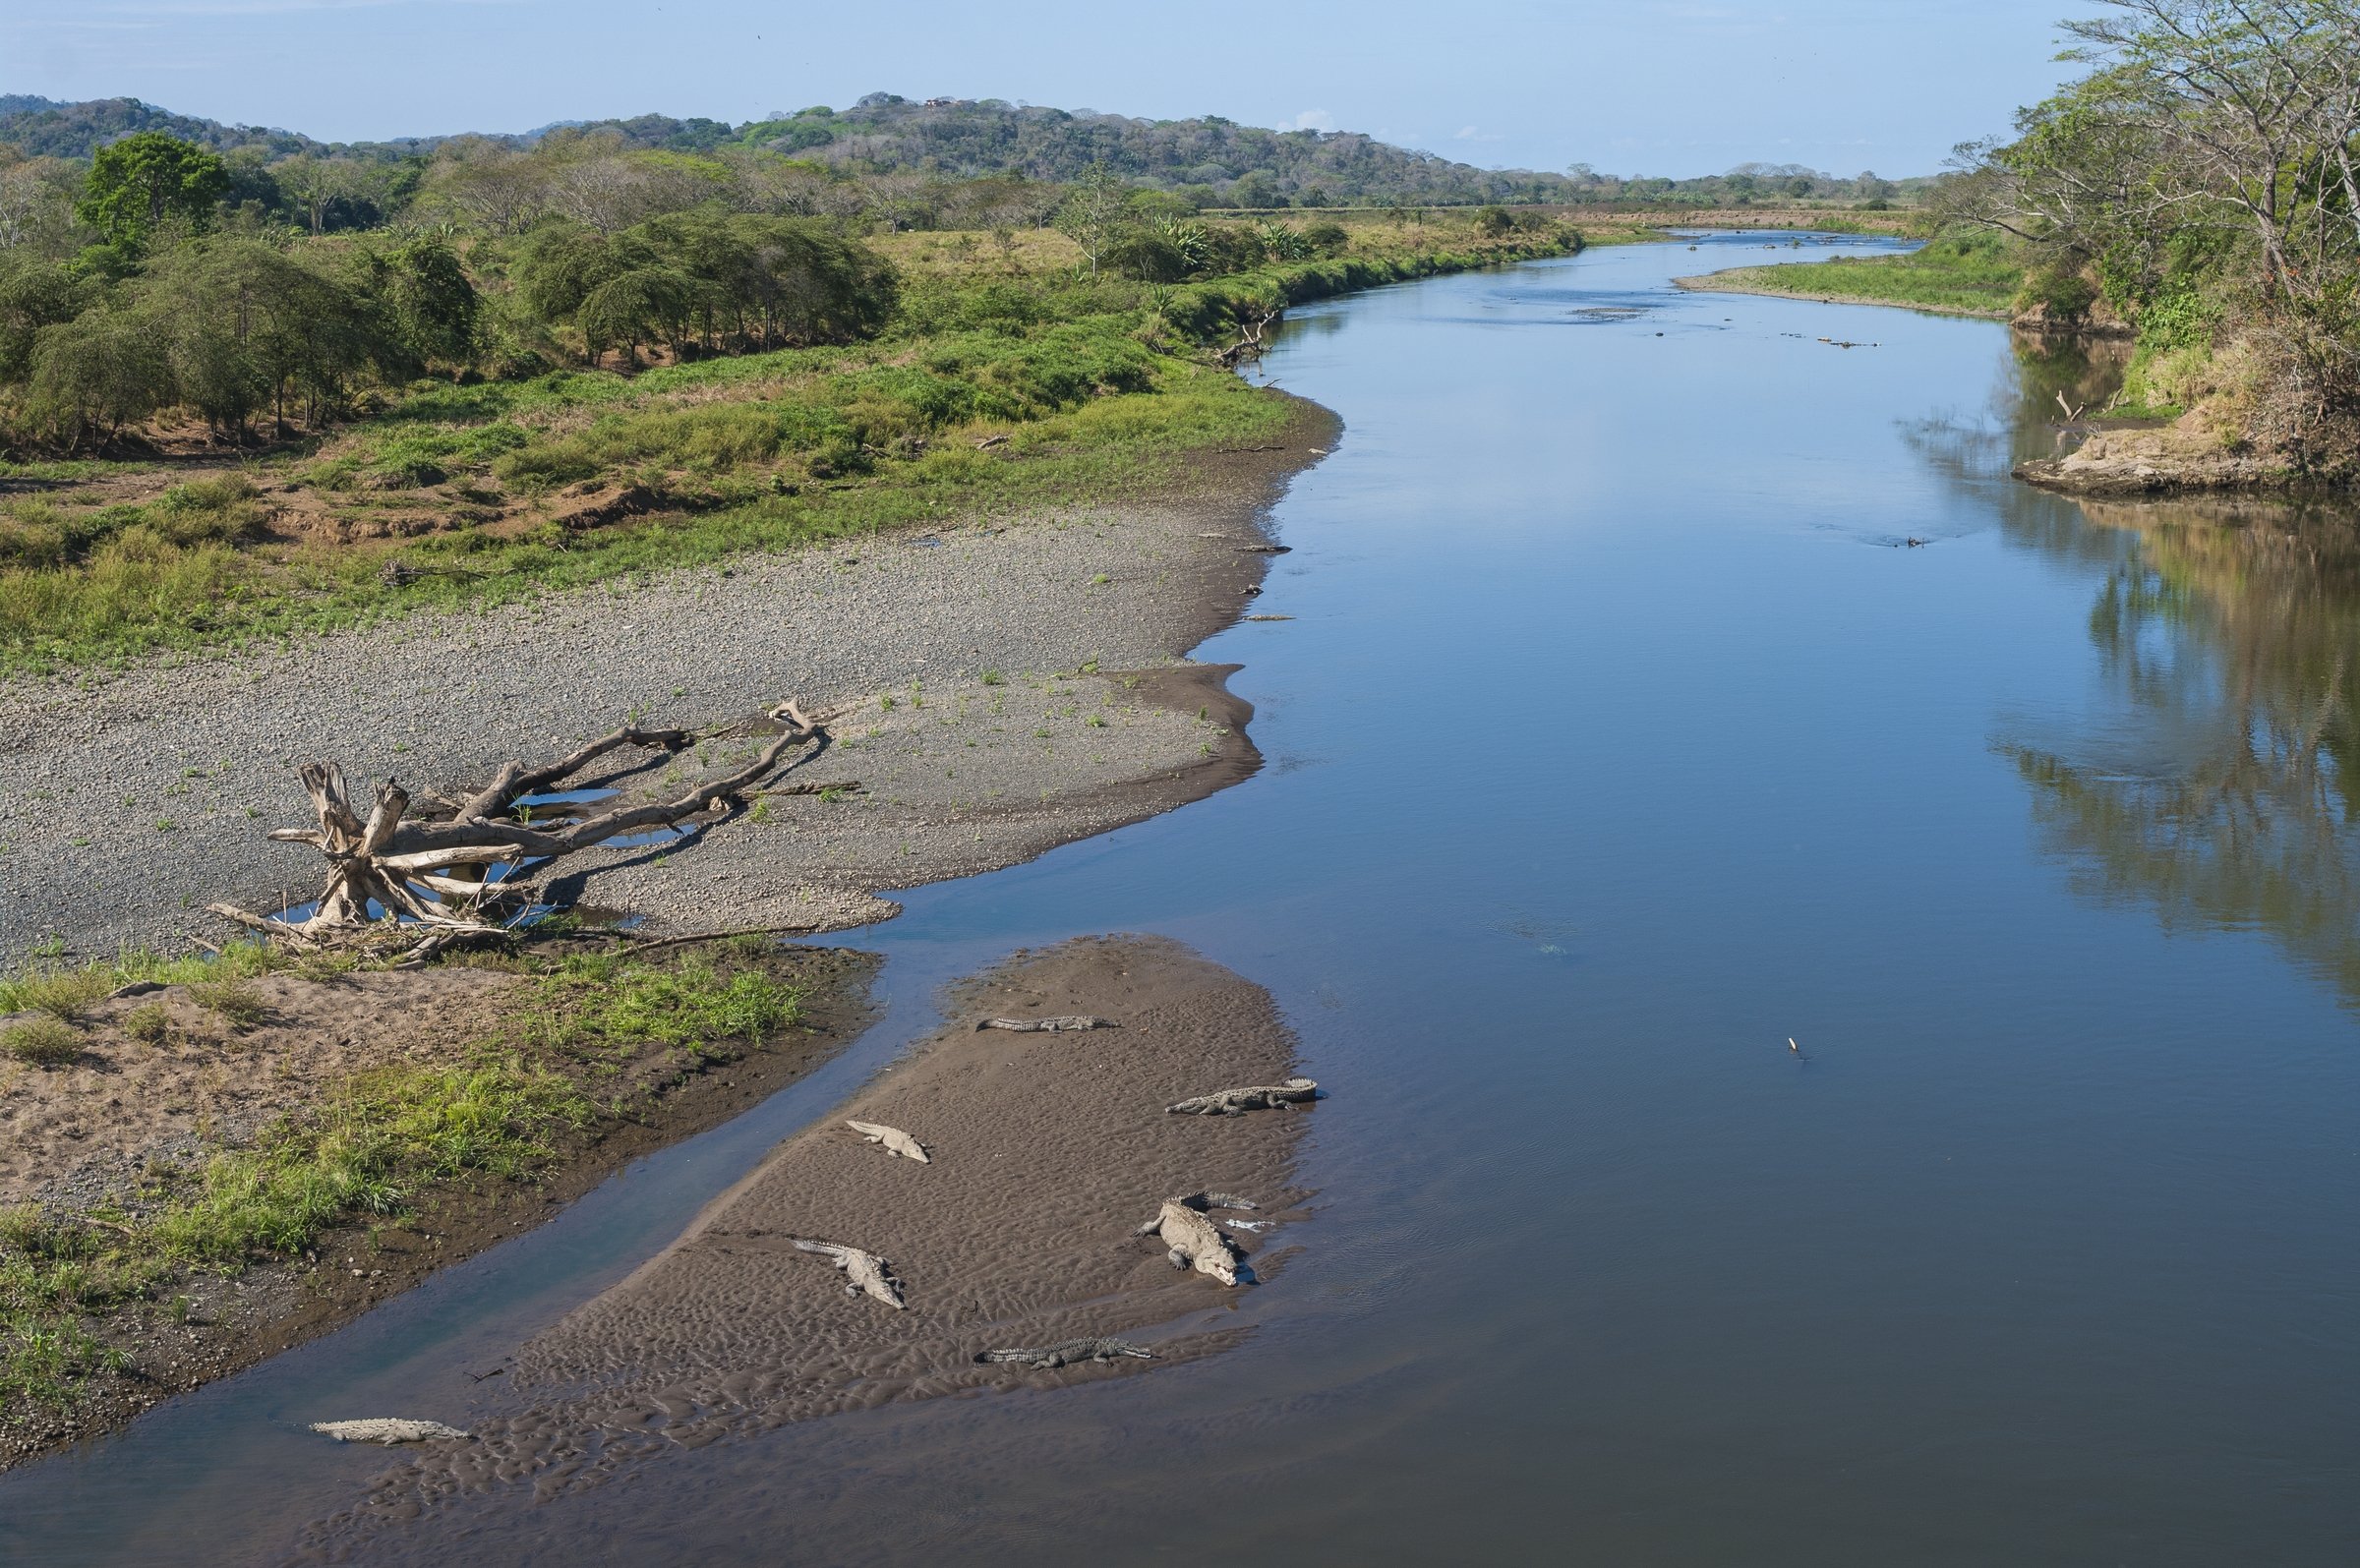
x=1208, y=160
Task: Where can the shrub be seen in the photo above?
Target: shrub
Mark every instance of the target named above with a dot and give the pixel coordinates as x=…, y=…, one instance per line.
x=62, y=994
x=43, y=1042
x=234, y=1002
x=150, y=1024
x=1327, y=238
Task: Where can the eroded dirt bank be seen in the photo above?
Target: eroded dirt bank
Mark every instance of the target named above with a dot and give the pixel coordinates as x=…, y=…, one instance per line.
x=1046, y=1150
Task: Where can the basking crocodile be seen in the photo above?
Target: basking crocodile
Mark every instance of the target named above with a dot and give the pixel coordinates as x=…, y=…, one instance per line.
x=1041, y=1025
x=896, y=1140
x=1195, y=1240
x=386, y=1429
x=1260, y=1097
x=1072, y=1352
x=866, y=1271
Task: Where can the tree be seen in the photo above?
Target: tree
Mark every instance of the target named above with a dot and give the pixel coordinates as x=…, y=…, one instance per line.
x=95, y=375
x=436, y=307
x=138, y=182
x=314, y=185
x=1097, y=208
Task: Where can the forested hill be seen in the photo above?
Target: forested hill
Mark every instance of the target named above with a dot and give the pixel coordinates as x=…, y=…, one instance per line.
x=1207, y=160
x=1240, y=165
x=40, y=127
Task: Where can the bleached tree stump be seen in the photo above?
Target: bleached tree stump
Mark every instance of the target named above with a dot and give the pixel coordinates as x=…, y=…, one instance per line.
x=437, y=872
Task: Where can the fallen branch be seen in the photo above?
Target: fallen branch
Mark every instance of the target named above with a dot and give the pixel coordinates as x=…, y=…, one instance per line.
x=435, y=873
x=649, y=945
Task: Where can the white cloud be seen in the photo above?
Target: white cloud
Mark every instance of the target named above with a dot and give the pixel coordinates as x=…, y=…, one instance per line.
x=1310, y=120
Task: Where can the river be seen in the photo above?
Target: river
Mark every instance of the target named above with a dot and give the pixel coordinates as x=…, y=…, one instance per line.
x=1620, y=735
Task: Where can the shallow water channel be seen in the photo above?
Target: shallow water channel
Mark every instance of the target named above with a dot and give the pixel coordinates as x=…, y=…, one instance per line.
x=1619, y=736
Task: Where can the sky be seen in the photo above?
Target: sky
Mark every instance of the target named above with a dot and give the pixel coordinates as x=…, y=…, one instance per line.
x=1628, y=87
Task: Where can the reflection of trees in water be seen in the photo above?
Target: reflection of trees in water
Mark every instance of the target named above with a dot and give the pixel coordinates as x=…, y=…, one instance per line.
x=1975, y=450
x=2229, y=633
x=2225, y=789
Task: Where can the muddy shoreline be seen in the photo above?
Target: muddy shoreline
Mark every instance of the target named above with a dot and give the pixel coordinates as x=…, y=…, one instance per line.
x=1039, y=695
x=231, y=1323
x=1046, y=1151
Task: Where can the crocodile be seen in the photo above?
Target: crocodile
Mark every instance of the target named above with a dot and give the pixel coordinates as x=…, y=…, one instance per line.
x=1048, y=1025
x=896, y=1140
x=864, y=1272
x=1072, y=1352
x=386, y=1429
x=1195, y=1240
x=1237, y=1102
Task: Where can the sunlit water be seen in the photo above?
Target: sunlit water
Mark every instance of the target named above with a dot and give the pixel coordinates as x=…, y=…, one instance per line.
x=1618, y=738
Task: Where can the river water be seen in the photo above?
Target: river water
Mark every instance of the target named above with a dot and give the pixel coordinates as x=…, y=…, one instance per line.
x=1620, y=736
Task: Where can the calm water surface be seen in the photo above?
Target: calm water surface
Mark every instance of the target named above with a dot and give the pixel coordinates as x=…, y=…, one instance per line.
x=1619, y=737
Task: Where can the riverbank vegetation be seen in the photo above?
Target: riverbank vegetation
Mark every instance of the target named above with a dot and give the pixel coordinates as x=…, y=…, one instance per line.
x=580, y=1044
x=2199, y=182
x=224, y=426
x=1964, y=271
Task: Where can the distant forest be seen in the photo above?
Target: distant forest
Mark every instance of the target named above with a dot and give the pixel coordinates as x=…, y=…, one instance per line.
x=1206, y=162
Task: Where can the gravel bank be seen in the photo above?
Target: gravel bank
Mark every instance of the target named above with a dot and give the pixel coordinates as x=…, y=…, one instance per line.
x=128, y=803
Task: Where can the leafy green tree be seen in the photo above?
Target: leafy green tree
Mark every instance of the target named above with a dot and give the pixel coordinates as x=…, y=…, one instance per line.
x=92, y=375
x=35, y=294
x=436, y=308
x=137, y=183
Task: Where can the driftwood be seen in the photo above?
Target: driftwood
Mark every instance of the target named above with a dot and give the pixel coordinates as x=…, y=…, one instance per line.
x=896, y=1140
x=386, y=1429
x=1048, y=1025
x=436, y=873
x=1195, y=1242
x=864, y=1271
x=1072, y=1352
x=1250, y=344
x=1260, y=1097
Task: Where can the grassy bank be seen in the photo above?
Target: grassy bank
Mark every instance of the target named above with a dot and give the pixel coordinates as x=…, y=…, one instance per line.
x=582, y=1045
x=1961, y=274
x=1011, y=378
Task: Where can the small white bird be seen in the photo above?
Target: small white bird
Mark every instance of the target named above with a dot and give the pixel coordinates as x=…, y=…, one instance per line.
x=1791, y=1046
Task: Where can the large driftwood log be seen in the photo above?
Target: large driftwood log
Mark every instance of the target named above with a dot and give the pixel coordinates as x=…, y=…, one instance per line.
x=435, y=873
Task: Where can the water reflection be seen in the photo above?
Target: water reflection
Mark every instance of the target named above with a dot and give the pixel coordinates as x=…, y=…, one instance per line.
x=2224, y=792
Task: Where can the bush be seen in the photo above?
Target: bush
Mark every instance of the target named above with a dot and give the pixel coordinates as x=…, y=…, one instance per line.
x=43, y=1042
x=150, y=1024
x=1328, y=239
x=234, y=1002
x=63, y=994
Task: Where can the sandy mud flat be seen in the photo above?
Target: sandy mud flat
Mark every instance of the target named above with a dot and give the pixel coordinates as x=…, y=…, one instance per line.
x=1046, y=1150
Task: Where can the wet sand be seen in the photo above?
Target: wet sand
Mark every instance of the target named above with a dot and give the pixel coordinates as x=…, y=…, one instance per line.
x=1048, y=1150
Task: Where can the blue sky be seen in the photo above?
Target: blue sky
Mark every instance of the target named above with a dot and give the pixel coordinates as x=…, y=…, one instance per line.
x=1655, y=87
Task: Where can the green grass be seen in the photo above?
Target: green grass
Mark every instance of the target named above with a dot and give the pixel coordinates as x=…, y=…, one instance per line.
x=1100, y=385
x=42, y=1042
x=374, y=1149
x=1974, y=274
